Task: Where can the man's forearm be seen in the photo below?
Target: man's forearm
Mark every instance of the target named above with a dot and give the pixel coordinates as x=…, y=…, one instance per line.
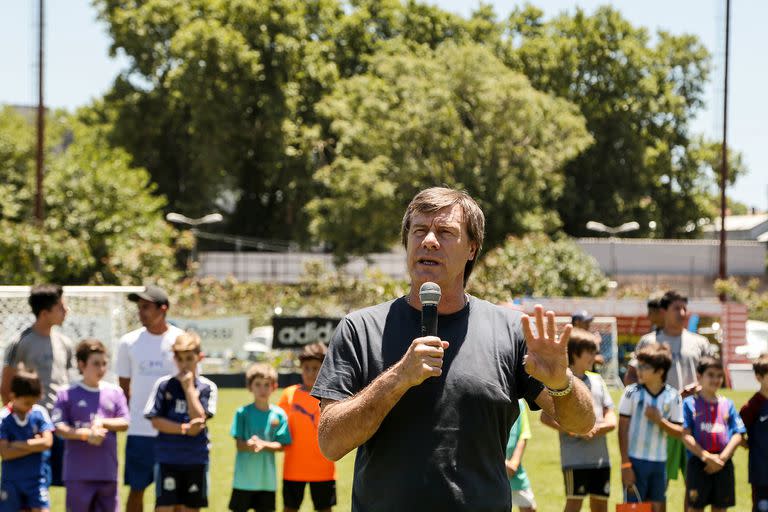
x=346, y=424
x=574, y=412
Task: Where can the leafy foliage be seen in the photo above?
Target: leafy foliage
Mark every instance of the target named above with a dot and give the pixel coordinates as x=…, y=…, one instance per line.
x=746, y=293
x=103, y=222
x=537, y=266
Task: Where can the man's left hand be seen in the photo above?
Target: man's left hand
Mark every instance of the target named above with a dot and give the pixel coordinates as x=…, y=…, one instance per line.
x=547, y=359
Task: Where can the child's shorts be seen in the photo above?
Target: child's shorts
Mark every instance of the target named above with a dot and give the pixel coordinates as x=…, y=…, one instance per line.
x=323, y=494
x=92, y=495
x=580, y=483
x=23, y=494
x=523, y=499
x=181, y=484
x=650, y=479
x=260, y=501
x=717, y=489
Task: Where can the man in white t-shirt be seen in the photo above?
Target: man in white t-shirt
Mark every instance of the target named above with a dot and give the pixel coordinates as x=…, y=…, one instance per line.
x=143, y=356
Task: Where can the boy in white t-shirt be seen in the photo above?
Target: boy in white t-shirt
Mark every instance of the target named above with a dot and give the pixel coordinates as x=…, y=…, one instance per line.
x=143, y=356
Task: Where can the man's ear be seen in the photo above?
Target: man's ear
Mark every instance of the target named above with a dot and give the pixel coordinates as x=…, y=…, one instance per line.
x=472, y=251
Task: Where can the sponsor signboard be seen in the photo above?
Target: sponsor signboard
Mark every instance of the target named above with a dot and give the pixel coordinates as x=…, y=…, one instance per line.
x=295, y=332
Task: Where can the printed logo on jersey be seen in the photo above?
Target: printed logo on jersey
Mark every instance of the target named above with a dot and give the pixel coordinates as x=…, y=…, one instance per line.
x=763, y=418
x=3, y=495
x=151, y=367
x=180, y=407
x=193, y=488
x=169, y=483
x=82, y=403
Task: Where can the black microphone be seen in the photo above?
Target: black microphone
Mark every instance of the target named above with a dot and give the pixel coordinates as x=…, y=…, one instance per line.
x=429, y=295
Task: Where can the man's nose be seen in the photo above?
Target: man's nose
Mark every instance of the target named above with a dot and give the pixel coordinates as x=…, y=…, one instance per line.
x=430, y=241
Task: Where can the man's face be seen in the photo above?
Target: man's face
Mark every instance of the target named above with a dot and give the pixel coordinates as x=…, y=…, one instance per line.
x=149, y=312
x=439, y=248
x=94, y=368
x=656, y=316
x=57, y=313
x=676, y=314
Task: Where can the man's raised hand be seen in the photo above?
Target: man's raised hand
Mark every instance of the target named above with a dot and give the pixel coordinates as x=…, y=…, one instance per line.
x=547, y=359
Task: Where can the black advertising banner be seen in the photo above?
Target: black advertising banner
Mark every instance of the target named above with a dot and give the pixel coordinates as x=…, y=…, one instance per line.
x=295, y=332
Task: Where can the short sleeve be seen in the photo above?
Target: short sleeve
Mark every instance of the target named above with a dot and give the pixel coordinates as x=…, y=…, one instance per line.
x=11, y=355
x=749, y=412
x=282, y=433
x=526, y=386
x=525, y=425
x=688, y=406
x=735, y=424
x=121, y=405
x=625, y=402
x=3, y=430
x=44, y=423
x=676, y=410
x=340, y=375
x=208, y=399
x=60, y=413
x=123, y=363
x=154, y=406
x=607, y=400
x=238, y=424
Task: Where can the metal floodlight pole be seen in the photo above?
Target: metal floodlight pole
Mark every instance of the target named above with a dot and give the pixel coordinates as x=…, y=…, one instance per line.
x=40, y=170
x=602, y=228
x=724, y=156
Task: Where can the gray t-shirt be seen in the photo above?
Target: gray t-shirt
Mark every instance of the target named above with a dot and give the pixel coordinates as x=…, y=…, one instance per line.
x=577, y=453
x=687, y=349
x=442, y=446
x=50, y=357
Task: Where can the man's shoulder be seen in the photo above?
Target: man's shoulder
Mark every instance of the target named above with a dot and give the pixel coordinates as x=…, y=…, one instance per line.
x=484, y=307
x=132, y=337
x=647, y=338
x=376, y=311
x=20, y=338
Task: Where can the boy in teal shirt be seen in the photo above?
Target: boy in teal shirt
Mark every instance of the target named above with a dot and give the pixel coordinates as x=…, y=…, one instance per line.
x=260, y=429
x=522, y=494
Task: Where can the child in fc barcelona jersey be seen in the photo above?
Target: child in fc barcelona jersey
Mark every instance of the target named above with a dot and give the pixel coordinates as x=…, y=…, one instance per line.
x=303, y=461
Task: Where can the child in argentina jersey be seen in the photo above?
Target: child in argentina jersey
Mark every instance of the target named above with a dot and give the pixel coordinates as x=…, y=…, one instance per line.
x=647, y=440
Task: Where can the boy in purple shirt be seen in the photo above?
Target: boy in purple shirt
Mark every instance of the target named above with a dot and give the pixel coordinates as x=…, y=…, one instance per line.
x=87, y=416
x=712, y=431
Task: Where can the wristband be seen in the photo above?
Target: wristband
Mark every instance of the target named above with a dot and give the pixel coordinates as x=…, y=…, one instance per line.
x=562, y=392
x=626, y=465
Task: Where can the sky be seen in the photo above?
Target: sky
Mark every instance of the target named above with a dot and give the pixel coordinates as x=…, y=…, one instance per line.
x=79, y=68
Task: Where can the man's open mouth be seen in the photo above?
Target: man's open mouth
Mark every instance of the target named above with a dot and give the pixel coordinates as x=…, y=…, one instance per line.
x=426, y=261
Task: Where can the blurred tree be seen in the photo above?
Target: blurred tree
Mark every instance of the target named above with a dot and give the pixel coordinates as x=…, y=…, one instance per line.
x=103, y=220
x=639, y=99
x=539, y=266
x=455, y=116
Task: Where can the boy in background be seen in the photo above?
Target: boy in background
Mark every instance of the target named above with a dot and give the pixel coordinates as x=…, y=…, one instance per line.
x=584, y=459
x=755, y=417
x=649, y=411
x=260, y=429
x=519, y=434
x=179, y=408
x=712, y=431
x=87, y=416
x=26, y=436
x=303, y=461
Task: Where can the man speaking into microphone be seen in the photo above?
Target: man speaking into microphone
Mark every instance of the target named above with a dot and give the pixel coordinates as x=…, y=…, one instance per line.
x=430, y=415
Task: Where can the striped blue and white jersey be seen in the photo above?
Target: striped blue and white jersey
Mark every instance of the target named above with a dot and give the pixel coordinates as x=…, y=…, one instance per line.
x=647, y=441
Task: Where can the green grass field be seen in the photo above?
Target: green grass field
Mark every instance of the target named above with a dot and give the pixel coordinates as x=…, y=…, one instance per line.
x=541, y=461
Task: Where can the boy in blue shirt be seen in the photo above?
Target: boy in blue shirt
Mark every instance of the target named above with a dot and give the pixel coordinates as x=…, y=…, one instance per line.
x=260, y=429
x=179, y=407
x=26, y=436
x=519, y=434
x=755, y=417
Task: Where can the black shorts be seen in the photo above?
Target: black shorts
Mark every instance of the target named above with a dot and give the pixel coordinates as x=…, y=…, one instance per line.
x=260, y=501
x=323, y=494
x=580, y=483
x=703, y=489
x=185, y=484
x=760, y=498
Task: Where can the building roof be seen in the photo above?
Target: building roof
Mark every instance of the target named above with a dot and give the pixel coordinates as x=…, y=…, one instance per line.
x=738, y=222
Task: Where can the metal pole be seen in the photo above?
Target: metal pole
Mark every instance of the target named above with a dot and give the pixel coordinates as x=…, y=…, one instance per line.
x=40, y=120
x=724, y=164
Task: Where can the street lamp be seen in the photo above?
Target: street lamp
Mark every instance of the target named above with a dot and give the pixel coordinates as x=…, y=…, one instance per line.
x=178, y=218
x=602, y=228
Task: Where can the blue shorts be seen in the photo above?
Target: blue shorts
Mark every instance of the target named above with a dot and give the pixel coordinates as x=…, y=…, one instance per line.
x=139, y=462
x=23, y=494
x=650, y=479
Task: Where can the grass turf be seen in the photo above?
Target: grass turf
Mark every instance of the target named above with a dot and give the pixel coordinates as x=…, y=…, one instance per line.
x=541, y=461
